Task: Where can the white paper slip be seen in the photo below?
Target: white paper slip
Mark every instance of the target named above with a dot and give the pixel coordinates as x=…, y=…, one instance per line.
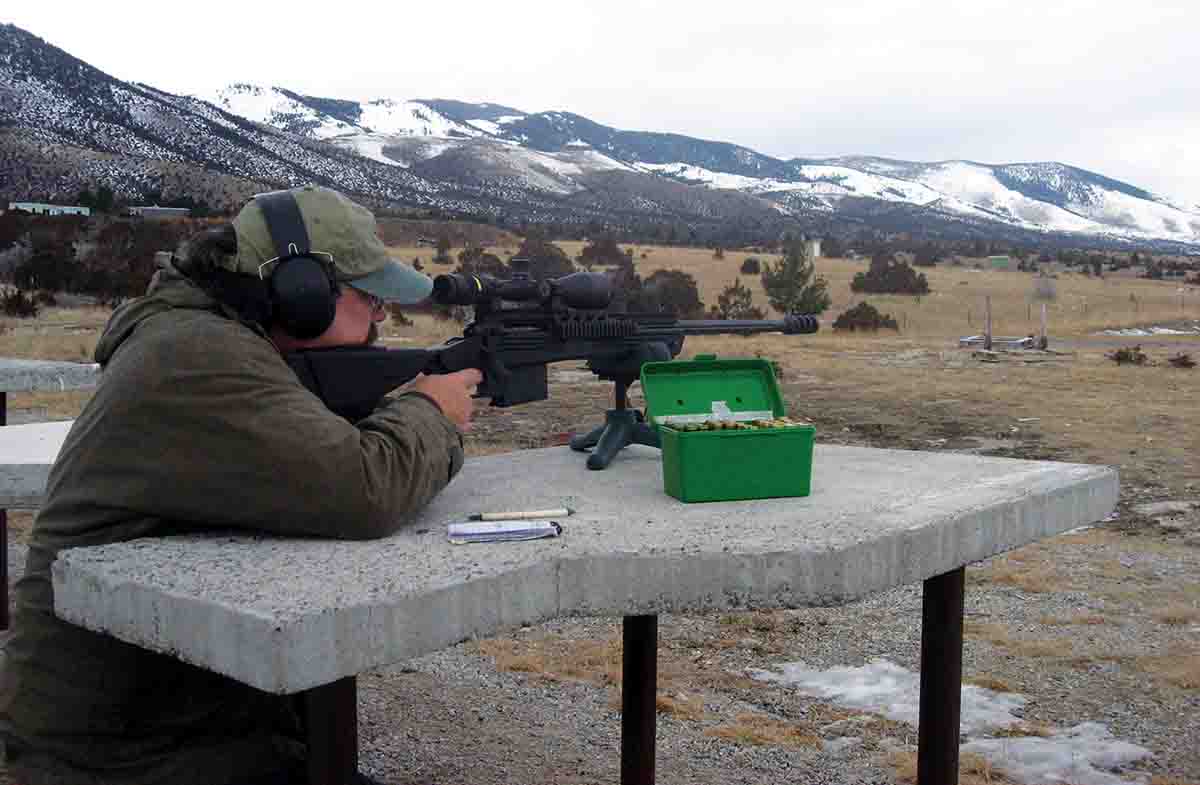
x=463, y=532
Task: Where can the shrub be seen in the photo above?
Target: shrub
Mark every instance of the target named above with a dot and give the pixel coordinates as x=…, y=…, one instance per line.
x=603, y=250
x=546, y=260
x=1132, y=355
x=736, y=302
x=475, y=261
x=18, y=303
x=887, y=276
x=864, y=316
x=718, y=252
x=452, y=313
x=1182, y=360
x=670, y=291
x=398, y=316
x=443, y=251
x=751, y=266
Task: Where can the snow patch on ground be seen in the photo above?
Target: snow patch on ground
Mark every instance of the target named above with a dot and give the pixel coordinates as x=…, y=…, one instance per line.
x=1086, y=754
x=1139, y=332
x=369, y=146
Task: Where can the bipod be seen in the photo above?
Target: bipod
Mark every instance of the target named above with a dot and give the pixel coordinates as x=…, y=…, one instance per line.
x=622, y=426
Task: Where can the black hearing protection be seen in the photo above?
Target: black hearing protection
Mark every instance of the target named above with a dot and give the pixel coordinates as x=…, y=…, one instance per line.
x=301, y=283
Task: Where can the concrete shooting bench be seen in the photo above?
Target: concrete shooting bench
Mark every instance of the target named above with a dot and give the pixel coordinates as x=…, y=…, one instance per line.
x=307, y=616
x=24, y=449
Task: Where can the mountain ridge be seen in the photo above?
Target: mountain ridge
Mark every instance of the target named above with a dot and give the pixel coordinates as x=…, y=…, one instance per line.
x=499, y=162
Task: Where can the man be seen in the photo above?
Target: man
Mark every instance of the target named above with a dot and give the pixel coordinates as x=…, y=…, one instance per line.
x=199, y=424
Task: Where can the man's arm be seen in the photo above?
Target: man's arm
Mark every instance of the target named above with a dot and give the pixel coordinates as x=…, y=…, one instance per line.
x=205, y=424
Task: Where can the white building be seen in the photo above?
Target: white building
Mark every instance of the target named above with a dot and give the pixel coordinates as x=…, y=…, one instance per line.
x=38, y=208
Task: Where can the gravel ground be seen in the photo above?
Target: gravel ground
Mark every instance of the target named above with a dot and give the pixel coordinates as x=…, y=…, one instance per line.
x=454, y=717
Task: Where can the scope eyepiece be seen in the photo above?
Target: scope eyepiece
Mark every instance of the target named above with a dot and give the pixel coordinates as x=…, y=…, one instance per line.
x=455, y=289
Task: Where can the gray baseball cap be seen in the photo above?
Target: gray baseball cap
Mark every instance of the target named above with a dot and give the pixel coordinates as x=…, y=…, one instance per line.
x=344, y=230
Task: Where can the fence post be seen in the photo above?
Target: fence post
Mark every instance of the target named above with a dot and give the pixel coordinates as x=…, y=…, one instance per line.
x=1042, y=342
x=987, y=331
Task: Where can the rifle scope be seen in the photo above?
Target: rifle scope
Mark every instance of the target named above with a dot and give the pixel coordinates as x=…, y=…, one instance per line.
x=577, y=290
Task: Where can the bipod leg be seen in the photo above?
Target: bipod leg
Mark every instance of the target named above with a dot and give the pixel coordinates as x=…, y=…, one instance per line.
x=618, y=432
x=588, y=440
x=621, y=427
x=644, y=433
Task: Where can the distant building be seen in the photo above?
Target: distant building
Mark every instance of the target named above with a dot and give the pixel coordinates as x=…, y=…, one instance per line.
x=39, y=208
x=154, y=211
x=999, y=262
x=815, y=247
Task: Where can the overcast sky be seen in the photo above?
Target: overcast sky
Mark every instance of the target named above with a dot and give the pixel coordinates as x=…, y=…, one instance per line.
x=1106, y=86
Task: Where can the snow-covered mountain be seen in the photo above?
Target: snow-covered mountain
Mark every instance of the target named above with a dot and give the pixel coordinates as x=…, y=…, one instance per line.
x=549, y=149
x=65, y=125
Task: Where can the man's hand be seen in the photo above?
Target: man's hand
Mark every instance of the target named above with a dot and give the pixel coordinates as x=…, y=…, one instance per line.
x=452, y=393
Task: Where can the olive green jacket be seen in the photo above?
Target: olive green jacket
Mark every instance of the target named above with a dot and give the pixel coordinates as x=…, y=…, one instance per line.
x=197, y=424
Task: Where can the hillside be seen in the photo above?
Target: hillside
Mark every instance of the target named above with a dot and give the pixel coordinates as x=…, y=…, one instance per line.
x=69, y=126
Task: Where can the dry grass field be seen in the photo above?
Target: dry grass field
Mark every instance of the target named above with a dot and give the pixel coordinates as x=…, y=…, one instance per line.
x=1135, y=641
x=1144, y=419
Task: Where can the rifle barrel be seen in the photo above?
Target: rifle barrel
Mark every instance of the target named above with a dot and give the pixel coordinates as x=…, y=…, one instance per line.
x=790, y=325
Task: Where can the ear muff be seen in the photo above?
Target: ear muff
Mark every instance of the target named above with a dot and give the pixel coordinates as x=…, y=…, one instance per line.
x=302, y=286
x=304, y=294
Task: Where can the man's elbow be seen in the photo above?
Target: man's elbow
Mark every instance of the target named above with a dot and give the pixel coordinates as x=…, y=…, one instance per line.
x=384, y=517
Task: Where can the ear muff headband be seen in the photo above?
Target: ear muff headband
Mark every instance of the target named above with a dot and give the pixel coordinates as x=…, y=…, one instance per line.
x=301, y=285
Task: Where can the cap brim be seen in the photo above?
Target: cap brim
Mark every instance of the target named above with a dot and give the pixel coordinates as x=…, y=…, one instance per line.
x=395, y=283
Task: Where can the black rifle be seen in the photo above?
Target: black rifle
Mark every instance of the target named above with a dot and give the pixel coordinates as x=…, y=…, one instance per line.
x=520, y=325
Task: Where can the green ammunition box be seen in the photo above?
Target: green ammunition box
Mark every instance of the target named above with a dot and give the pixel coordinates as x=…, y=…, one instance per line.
x=730, y=463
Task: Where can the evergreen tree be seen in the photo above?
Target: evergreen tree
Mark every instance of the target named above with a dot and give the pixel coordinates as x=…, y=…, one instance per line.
x=790, y=283
x=737, y=302
x=546, y=260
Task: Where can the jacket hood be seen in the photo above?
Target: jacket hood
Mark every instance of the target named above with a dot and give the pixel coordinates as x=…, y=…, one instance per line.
x=168, y=290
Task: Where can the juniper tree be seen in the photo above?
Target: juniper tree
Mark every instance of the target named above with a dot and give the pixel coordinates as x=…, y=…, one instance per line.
x=790, y=283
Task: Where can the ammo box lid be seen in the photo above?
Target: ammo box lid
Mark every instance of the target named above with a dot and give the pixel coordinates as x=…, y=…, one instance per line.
x=707, y=388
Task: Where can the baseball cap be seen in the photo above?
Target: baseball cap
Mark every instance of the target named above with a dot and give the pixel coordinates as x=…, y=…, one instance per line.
x=344, y=230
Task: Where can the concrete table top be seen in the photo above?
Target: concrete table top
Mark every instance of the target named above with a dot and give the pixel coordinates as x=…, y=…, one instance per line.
x=26, y=454
x=286, y=615
x=46, y=376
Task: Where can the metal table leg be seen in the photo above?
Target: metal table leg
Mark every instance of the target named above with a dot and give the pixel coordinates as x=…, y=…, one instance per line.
x=4, y=620
x=639, y=686
x=331, y=716
x=941, y=678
